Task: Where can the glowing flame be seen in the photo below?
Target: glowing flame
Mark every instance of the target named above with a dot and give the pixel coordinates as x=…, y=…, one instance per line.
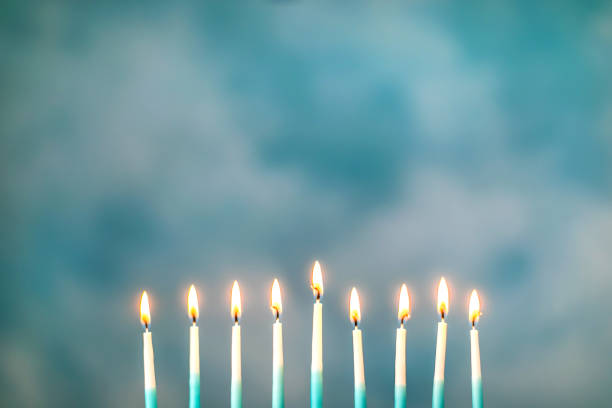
x=145, y=313
x=355, y=310
x=275, y=303
x=404, y=305
x=236, y=308
x=317, y=280
x=474, y=307
x=443, y=298
x=192, y=304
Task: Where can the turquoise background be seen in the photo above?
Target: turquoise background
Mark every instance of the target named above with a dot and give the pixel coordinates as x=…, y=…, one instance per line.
x=154, y=145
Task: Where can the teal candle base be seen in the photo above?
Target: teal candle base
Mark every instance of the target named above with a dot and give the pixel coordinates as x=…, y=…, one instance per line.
x=400, y=396
x=476, y=392
x=437, y=400
x=278, y=388
x=316, y=389
x=151, y=398
x=194, y=390
x=360, y=396
x=236, y=397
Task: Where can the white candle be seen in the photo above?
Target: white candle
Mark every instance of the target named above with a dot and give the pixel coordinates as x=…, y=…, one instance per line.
x=194, y=349
x=400, y=349
x=358, y=368
x=316, y=366
x=474, y=314
x=236, y=380
x=278, y=388
x=149, y=361
x=438, y=386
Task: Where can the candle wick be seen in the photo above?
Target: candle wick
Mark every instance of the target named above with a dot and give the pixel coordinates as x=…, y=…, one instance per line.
x=356, y=324
x=236, y=318
x=194, y=320
x=442, y=314
x=146, y=327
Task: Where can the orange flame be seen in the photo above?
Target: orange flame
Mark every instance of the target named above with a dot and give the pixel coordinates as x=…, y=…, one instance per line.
x=443, y=298
x=192, y=304
x=474, y=311
x=275, y=302
x=404, y=305
x=236, y=306
x=317, y=280
x=354, y=309
x=145, y=312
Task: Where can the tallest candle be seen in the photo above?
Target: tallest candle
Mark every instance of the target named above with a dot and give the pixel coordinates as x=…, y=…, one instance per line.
x=316, y=367
x=149, y=363
x=438, y=385
x=194, y=349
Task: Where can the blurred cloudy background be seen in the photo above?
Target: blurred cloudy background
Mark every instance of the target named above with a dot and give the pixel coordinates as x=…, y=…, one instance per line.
x=158, y=146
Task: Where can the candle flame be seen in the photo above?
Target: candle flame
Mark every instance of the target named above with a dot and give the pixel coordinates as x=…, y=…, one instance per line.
x=275, y=303
x=192, y=304
x=404, y=304
x=474, y=311
x=443, y=298
x=145, y=312
x=317, y=280
x=236, y=307
x=355, y=310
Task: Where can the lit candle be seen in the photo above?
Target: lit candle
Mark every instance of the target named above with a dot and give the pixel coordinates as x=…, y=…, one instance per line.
x=316, y=366
x=438, y=385
x=355, y=316
x=474, y=314
x=194, y=349
x=278, y=389
x=149, y=365
x=236, y=384
x=400, y=349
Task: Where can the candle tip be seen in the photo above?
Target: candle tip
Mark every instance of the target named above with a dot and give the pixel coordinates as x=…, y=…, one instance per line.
x=275, y=303
x=317, y=280
x=354, y=307
x=474, y=309
x=443, y=298
x=236, y=304
x=145, y=312
x=193, y=309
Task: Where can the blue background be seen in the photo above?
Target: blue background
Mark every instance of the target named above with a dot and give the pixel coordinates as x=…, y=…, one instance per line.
x=154, y=146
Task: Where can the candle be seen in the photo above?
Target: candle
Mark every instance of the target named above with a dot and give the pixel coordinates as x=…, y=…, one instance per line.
x=236, y=384
x=474, y=314
x=194, y=349
x=400, y=349
x=316, y=366
x=438, y=386
x=355, y=316
x=149, y=365
x=278, y=389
